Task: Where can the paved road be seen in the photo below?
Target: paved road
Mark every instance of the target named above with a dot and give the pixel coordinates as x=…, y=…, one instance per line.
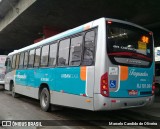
x=25, y=108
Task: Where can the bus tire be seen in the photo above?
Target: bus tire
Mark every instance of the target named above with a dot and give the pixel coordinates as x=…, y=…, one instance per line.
x=14, y=94
x=45, y=99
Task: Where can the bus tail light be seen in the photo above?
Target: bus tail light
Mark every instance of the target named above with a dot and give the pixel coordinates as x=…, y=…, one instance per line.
x=109, y=22
x=104, y=85
x=153, y=86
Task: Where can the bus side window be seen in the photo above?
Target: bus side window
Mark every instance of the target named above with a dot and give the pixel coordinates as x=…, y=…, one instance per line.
x=17, y=61
x=31, y=58
x=75, y=51
x=53, y=54
x=37, y=57
x=14, y=62
x=63, y=52
x=25, y=59
x=89, y=48
x=21, y=61
x=8, y=67
x=44, y=56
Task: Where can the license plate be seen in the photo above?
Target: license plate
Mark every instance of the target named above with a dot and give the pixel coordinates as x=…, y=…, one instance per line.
x=133, y=92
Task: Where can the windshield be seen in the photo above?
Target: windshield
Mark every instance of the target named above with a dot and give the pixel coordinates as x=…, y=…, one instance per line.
x=129, y=45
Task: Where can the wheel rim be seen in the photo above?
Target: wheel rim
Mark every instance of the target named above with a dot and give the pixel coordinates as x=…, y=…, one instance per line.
x=44, y=99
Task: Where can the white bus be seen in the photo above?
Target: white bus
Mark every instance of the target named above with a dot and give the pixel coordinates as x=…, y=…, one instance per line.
x=106, y=64
x=157, y=70
x=2, y=68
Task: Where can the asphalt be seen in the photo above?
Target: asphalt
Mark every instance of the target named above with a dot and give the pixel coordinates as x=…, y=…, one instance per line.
x=30, y=110
x=152, y=110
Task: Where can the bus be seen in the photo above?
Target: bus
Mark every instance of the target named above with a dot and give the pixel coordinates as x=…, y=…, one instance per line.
x=106, y=64
x=157, y=70
x=2, y=68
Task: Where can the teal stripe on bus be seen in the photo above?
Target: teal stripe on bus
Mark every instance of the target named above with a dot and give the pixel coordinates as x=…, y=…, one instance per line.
x=66, y=80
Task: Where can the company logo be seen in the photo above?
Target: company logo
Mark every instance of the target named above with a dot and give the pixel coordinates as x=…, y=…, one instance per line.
x=69, y=75
x=21, y=76
x=137, y=74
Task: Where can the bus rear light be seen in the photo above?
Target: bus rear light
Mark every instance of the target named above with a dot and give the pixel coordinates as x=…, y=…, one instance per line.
x=153, y=90
x=113, y=101
x=153, y=86
x=109, y=22
x=104, y=85
x=83, y=95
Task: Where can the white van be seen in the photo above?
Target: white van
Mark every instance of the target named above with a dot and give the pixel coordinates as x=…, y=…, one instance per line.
x=157, y=78
x=157, y=70
x=2, y=68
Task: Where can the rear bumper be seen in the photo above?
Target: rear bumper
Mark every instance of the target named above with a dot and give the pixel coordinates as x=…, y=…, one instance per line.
x=104, y=103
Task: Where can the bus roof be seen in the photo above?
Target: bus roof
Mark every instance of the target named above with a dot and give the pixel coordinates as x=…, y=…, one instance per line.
x=70, y=32
x=55, y=37
x=126, y=22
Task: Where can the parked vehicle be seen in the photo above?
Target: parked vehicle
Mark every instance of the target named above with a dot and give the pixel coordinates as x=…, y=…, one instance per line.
x=106, y=64
x=157, y=70
x=2, y=68
x=157, y=78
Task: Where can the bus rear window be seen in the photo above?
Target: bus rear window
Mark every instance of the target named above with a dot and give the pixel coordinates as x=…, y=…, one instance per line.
x=130, y=42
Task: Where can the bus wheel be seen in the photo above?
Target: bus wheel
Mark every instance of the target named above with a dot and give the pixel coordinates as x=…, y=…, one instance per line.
x=45, y=100
x=15, y=95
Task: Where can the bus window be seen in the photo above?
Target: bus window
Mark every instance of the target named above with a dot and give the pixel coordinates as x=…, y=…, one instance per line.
x=31, y=58
x=44, y=56
x=2, y=68
x=63, y=52
x=21, y=60
x=89, y=48
x=17, y=60
x=129, y=46
x=37, y=57
x=14, y=62
x=9, y=64
x=75, y=51
x=53, y=54
x=25, y=59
